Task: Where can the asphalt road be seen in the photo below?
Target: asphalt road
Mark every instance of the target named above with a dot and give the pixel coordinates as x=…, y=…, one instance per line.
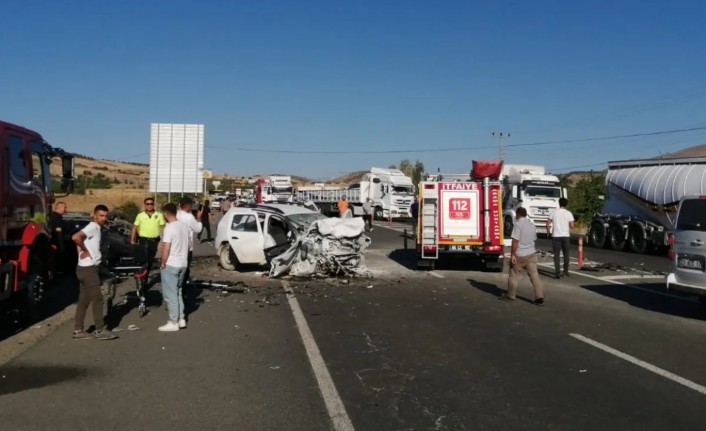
x=404, y=350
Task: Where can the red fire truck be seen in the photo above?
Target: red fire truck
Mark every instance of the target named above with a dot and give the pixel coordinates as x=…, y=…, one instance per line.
x=462, y=215
x=25, y=203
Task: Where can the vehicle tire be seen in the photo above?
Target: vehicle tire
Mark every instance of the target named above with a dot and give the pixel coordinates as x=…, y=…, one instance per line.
x=597, y=236
x=31, y=308
x=507, y=227
x=379, y=215
x=616, y=237
x=227, y=257
x=637, y=243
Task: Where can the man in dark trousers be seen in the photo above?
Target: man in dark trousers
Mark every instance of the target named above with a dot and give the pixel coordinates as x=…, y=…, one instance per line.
x=88, y=241
x=147, y=228
x=55, y=224
x=414, y=211
x=559, y=225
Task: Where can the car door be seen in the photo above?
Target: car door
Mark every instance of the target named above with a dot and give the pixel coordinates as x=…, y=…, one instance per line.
x=246, y=238
x=690, y=242
x=278, y=228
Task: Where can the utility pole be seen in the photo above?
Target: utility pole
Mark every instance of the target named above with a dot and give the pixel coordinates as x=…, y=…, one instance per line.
x=500, y=136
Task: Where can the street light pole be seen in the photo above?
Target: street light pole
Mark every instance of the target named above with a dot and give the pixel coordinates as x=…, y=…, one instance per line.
x=500, y=136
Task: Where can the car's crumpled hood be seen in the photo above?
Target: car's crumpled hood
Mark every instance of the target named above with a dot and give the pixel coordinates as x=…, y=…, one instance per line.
x=330, y=247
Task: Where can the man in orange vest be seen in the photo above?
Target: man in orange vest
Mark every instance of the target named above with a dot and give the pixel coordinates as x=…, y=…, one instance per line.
x=342, y=206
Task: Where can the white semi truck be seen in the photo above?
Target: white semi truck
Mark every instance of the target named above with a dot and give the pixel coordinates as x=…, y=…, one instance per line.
x=641, y=200
x=275, y=189
x=531, y=187
x=390, y=191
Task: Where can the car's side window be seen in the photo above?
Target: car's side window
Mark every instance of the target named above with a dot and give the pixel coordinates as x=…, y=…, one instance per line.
x=244, y=223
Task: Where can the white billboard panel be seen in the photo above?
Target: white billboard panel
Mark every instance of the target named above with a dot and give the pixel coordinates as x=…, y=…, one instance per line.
x=176, y=158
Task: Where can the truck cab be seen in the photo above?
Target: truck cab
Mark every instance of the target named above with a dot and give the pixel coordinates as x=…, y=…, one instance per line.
x=26, y=195
x=391, y=192
x=532, y=188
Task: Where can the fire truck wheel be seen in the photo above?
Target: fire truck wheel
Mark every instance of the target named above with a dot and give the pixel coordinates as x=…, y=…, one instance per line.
x=228, y=259
x=507, y=227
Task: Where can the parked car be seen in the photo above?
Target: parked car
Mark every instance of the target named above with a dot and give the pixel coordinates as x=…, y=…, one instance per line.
x=253, y=234
x=687, y=255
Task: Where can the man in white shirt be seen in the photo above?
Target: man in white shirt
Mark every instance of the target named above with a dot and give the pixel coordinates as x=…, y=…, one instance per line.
x=559, y=224
x=88, y=241
x=185, y=215
x=523, y=258
x=174, y=262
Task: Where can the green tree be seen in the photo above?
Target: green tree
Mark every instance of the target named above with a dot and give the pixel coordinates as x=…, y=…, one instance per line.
x=585, y=197
x=418, y=172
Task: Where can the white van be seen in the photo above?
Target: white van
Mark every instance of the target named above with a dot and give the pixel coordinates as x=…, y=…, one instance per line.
x=687, y=270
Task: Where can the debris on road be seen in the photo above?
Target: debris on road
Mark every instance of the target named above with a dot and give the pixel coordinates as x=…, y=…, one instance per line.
x=221, y=287
x=330, y=247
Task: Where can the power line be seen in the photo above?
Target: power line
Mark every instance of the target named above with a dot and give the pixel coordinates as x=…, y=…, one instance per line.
x=439, y=150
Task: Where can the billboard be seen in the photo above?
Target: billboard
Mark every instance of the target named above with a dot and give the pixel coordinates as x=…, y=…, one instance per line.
x=176, y=158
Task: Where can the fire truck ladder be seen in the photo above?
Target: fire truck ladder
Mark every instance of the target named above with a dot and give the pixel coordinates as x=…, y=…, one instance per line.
x=429, y=219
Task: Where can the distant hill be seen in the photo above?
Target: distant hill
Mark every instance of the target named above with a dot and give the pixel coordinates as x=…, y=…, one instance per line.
x=695, y=151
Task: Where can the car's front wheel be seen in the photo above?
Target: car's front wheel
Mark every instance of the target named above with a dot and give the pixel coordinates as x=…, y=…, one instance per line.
x=227, y=257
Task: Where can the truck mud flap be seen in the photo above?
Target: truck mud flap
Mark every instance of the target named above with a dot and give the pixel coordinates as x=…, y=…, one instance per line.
x=7, y=279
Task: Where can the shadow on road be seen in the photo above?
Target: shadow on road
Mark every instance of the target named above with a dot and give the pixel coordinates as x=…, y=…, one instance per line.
x=493, y=289
x=21, y=378
x=406, y=258
x=62, y=292
x=650, y=301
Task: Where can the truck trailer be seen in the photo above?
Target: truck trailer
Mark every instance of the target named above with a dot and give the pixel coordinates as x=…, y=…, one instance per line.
x=641, y=202
x=391, y=193
x=26, y=196
x=462, y=218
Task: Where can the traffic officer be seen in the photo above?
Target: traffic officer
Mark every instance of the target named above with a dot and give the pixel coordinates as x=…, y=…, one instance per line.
x=147, y=228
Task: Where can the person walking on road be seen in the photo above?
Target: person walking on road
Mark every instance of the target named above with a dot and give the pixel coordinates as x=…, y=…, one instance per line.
x=185, y=215
x=342, y=206
x=206, y=220
x=147, y=228
x=368, y=213
x=523, y=258
x=174, y=262
x=88, y=241
x=559, y=224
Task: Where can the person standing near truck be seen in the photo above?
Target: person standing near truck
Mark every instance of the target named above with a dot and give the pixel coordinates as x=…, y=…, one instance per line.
x=55, y=225
x=368, y=213
x=147, y=227
x=88, y=241
x=414, y=212
x=559, y=224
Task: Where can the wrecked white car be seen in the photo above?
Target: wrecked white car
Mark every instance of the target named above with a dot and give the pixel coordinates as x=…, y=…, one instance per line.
x=247, y=234
x=293, y=239
x=330, y=247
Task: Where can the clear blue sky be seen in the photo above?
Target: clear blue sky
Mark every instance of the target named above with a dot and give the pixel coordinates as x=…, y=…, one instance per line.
x=358, y=76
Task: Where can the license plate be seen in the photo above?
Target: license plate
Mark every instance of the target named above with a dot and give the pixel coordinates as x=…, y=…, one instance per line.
x=457, y=247
x=543, y=212
x=691, y=263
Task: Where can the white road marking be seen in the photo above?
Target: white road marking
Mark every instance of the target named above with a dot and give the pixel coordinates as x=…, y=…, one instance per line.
x=436, y=274
x=632, y=286
x=334, y=404
x=640, y=363
x=627, y=276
